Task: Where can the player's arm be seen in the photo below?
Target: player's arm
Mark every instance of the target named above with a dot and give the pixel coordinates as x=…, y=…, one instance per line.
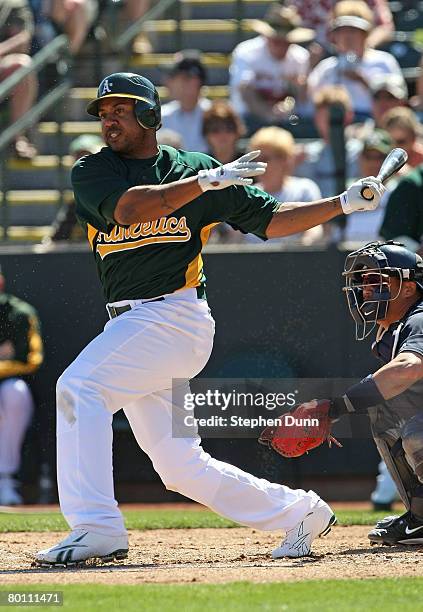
x=390, y=380
x=294, y=217
x=145, y=203
x=399, y=374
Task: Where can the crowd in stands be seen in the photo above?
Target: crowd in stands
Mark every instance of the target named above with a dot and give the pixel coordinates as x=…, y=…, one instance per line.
x=315, y=87
x=312, y=69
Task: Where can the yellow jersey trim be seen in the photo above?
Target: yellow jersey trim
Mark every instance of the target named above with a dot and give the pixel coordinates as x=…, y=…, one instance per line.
x=195, y=267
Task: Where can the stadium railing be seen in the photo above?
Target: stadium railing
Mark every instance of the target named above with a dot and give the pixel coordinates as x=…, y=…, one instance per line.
x=56, y=51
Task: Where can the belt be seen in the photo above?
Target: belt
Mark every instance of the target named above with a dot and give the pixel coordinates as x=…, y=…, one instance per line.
x=115, y=311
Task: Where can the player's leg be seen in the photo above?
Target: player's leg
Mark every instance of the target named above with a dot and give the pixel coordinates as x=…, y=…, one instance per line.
x=404, y=460
x=185, y=467
x=16, y=408
x=137, y=353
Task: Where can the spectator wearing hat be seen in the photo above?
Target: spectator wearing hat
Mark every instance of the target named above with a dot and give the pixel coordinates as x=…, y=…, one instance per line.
x=388, y=92
x=315, y=14
x=268, y=73
x=356, y=65
x=375, y=148
x=405, y=131
x=222, y=129
x=65, y=226
x=184, y=114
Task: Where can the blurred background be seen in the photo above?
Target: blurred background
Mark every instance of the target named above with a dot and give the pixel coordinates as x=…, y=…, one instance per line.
x=325, y=89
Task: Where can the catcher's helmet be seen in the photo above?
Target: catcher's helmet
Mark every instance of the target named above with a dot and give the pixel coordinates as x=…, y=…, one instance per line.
x=129, y=85
x=370, y=267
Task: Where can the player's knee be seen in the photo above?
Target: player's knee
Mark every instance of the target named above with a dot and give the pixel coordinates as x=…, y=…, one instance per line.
x=65, y=398
x=412, y=443
x=16, y=396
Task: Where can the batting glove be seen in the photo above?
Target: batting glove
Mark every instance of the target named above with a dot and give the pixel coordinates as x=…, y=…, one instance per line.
x=237, y=172
x=353, y=201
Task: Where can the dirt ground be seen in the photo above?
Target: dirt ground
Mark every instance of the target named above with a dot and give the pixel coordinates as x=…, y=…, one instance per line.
x=214, y=555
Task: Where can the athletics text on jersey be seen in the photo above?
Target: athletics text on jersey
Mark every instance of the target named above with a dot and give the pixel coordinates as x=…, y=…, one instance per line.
x=146, y=260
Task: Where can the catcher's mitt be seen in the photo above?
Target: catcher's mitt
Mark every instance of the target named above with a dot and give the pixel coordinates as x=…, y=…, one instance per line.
x=295, y=435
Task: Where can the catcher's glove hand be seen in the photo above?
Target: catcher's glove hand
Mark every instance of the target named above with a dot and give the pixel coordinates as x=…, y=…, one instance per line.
x=293, y=438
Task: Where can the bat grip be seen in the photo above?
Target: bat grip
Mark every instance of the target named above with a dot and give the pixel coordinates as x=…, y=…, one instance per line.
x=367, y=193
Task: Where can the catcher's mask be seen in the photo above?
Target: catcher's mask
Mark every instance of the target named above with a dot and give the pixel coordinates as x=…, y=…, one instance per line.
x=367, y=275
x=129, y=85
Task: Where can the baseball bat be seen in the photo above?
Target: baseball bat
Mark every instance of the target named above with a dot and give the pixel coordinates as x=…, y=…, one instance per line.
x=393, y=162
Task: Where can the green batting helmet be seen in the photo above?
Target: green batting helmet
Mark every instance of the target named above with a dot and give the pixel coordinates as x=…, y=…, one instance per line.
x=129, y=85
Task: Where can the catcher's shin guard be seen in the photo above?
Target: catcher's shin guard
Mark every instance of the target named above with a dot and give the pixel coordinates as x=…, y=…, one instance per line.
x=392, y=452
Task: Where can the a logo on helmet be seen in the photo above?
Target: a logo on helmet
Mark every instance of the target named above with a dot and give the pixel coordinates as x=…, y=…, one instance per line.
x=107, y=88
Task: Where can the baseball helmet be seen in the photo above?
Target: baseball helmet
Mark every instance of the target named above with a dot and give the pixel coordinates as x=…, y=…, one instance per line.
x=129, y=85
x=371, y=267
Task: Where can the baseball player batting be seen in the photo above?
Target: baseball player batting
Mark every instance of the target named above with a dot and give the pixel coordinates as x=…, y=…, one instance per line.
x=148, y=212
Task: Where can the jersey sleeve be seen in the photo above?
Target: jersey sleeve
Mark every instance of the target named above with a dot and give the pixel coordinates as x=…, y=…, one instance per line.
x=247, y=209
x=97, y=186
x=27, y=347
x=411, y=337
x=402, y=215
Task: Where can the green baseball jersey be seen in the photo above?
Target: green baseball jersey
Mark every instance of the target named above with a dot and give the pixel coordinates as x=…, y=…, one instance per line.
x=146, y=260
x=403, y=215
x=21, y=347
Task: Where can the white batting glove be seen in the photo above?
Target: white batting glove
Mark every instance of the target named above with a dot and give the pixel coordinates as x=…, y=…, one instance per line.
x=353, y=201
x=237, y=172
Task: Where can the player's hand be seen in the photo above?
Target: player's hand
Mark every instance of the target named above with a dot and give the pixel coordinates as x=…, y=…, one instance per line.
x=238, y=172
x=353, y=201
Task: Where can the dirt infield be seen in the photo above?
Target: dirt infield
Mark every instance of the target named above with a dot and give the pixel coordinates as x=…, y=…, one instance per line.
x=212, y=556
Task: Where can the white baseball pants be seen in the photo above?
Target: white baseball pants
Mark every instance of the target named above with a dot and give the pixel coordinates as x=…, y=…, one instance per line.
x=131, y=365
x=16, y=408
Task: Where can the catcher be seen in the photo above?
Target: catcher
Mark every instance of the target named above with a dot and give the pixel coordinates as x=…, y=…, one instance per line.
x=384, y=287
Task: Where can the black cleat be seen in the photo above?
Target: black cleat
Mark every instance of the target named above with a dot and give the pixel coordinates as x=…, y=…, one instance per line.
x=405, y=529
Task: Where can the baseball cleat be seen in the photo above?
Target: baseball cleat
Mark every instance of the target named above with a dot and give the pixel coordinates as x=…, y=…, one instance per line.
x=82, y=545
x=298, y=540
x=387, y=520
x=405, y=529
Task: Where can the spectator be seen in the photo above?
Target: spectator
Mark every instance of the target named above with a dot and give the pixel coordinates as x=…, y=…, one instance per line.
x=21, y=354
x=318, y=157
x=356, y=65
x=403, y=220
x=388, y=91
x=404, y=128
x=73, y=17
x=184, y=114
x=65, y=226
x=222, y=129
x=16, y=29
x=315, y=14
x=375, y=148
x=277, y=148
x=135, y=9
x=270, y=71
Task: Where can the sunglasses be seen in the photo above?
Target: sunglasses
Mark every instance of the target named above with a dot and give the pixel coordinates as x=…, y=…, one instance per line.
x=220, y=127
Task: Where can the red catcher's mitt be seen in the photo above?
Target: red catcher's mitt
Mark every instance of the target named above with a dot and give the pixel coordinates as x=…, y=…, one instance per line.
x=296, y=435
